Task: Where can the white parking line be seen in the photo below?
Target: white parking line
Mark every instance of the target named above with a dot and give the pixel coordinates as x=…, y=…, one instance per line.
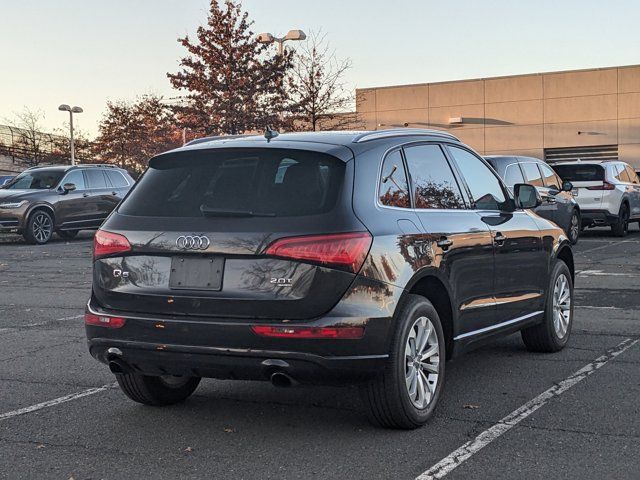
x=55, y=401
x=459, y=456
x=39, y=324
x=600, y=273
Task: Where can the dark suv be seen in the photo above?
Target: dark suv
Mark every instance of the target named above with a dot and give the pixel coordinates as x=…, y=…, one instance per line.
x=558, y=204
x=322, y=258
x=63, y=199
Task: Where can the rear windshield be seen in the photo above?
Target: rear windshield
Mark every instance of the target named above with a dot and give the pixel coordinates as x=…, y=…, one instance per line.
x=265, y=182
x=580, y=173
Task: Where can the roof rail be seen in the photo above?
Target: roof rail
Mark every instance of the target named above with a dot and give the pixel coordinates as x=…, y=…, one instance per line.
x=402, y=132
x=216, y=137
x=85, y=165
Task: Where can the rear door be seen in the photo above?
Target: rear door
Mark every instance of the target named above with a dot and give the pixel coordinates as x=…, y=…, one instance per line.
x=563, y=200
x=71, y=207
x=119, y=186
x=100, y=197
x=263, y=233
x=461, y=241
x=520, y=272
x=634, y=197
x=533, y=176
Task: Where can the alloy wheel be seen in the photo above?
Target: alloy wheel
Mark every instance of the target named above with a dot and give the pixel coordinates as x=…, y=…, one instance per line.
x=561, y=305
x=422, y=362
x=42, y=227
x=574, y=228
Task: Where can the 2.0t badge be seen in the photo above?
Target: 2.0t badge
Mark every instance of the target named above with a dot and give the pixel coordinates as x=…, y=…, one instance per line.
x=193, y=242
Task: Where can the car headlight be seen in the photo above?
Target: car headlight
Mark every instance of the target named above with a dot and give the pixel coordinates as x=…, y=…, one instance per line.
x=13, y=204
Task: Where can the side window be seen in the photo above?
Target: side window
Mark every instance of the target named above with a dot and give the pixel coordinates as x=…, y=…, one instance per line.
x=95, y=178
x=622, y=174
x=394, y=188
x=513, y=175
x=550, y=178
x=75, y=177
x=432, y=179
x=632, y=175
x=116, y=179
x=532, y=174
x=483, y=184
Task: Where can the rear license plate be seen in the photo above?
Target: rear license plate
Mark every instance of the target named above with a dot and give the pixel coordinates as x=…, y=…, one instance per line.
x=196, y=273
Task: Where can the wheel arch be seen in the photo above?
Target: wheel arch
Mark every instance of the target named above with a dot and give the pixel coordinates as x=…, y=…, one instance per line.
x=565, y=253
x=42, y=206
x=435, y=289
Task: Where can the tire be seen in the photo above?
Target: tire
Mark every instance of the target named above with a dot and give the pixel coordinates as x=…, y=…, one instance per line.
x=621, y=227
x=68, y=234
x=553, y=333
x=387, y=397
x=575, y=227
x=39, y=228
x=157, y=391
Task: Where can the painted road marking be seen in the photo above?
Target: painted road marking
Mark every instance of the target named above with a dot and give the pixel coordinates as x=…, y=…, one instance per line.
x=39, y=324
x=600, y=273
x=55, y=401
x=466, y=451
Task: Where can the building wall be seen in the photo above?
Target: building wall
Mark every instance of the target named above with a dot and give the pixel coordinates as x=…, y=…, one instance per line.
x=522, y=114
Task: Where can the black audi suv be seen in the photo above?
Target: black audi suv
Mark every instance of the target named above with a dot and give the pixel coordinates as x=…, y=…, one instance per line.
x=337, y=257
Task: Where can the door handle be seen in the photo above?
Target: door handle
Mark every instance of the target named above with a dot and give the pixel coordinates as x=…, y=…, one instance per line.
x=551, y=200
x=499, y=239
x=444, y=243
x=85, y=195
x=114, y=193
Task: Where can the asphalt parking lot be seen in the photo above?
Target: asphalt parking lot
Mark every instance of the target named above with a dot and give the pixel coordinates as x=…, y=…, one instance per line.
x=62, y=417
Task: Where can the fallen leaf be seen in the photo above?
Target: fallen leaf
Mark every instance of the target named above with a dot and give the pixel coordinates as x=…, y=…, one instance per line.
x=188, y=449
x=470, y=406
x=40, y=445
x=228, y=430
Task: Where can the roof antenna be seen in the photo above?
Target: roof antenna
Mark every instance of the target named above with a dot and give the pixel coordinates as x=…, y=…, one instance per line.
x=270, y=134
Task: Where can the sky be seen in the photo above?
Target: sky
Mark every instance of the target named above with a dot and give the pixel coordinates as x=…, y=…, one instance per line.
x=85, y=52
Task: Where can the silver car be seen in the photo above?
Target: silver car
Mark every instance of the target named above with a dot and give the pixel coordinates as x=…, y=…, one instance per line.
x=608, y=192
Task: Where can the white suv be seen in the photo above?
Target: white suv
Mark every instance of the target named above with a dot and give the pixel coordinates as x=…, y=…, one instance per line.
x=608, y=192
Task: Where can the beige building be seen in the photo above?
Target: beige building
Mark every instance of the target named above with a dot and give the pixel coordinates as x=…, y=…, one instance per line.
x=572, y=114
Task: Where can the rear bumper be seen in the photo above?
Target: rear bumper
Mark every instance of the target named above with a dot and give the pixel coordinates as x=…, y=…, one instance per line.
x=229, y=349
x=597, y=217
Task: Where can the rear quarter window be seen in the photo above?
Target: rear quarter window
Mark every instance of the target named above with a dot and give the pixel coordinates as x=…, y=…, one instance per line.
x=260, y=181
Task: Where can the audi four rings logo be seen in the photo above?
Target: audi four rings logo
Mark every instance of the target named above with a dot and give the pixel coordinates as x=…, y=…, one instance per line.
x=193, y=242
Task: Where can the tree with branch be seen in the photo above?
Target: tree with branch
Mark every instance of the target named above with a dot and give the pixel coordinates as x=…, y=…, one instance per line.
x=317, y=87
x=233, y=84
x=31, y=145
x=132, y=132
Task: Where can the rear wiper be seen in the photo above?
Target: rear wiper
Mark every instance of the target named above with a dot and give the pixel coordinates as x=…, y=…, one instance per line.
x=223, y=212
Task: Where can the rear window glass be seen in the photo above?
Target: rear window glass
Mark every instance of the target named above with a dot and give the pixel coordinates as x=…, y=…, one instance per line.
x=580, y=173
x=237, y=183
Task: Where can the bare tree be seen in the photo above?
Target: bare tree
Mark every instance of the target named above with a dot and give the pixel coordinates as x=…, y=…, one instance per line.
x=317, y=88
x=32, y=143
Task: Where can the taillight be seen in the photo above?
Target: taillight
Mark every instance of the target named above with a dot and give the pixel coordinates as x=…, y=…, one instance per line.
x=342, y=250
x=353, y=333
x=107, y=243
x=103, y=320
x=604, y=186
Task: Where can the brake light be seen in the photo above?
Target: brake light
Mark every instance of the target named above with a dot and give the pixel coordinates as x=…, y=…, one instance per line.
x=107, y=243
x=352, y=333
x=103, y=320
x=604, y=186
x=342, y=250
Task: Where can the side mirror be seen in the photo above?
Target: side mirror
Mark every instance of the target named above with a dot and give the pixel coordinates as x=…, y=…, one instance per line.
x=567, y=186
x=68, y=187
x=526, y=196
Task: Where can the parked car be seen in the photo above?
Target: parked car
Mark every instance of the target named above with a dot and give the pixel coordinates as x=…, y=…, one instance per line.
x=608, y=192
x=4, y=179
x=333, y=257
x=64, y=199
x=558, y=205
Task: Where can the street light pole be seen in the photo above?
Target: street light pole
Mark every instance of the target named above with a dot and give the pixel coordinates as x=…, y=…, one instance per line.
x=293, y=35
x=66, y=108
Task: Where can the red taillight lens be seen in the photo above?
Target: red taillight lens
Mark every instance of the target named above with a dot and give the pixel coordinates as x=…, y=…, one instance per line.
x=604, y=186
x=103, y=320
x=353, y=333
x=343, y=250
x=107, y=243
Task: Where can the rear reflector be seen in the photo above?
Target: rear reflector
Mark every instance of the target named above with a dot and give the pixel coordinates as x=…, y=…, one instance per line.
x=342, y=250
x=309, y=332
x=103, y=320
x=604, y=186
x=107, y=243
